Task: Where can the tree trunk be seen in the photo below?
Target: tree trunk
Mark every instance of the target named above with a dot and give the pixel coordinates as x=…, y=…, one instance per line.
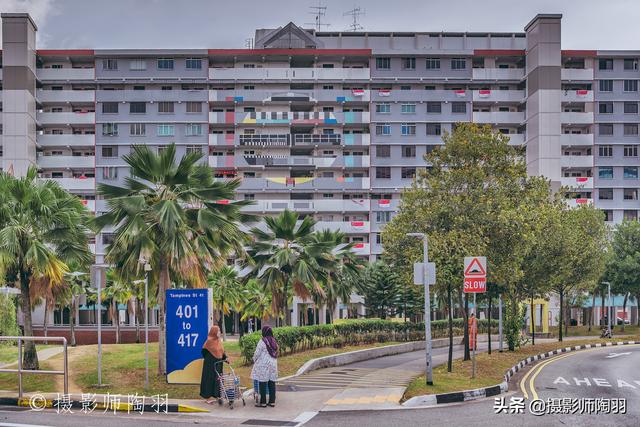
x=164, y=283
x=624, y=311
x=593, y=308
x=467, y=353
x=561, y=293
x=116, y=319
x=72, y=321
x=567, y=318
x=533, y=322
x=637, y=309
x=45, y=325
x=602, y=311
x=30, y=356
x=223, y=325
x=514, y=304
x=489, y=324
x=450, y=357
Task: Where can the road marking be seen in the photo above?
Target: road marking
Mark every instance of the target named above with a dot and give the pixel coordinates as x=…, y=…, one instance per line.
x=304, y=418
x=614, y=355
x=21, y=425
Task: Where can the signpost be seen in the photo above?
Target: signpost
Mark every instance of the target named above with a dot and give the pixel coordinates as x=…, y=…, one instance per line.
x=475, y=281
x=189, y=319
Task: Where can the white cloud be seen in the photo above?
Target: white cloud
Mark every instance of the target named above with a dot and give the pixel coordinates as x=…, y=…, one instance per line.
x=40, y=11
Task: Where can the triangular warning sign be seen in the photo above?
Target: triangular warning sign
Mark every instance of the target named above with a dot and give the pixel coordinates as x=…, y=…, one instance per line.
x=475, y=269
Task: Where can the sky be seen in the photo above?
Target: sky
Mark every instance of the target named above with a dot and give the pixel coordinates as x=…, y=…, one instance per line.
x=116, y=24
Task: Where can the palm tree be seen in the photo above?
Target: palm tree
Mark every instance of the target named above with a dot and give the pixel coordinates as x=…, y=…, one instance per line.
x=227, y=293
x=174, y=216
x=256, y=302
x=117, y=292
x=286, y=259
x=42, y=228
x=76, y=285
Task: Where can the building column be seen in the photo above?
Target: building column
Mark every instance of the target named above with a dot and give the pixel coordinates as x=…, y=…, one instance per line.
x=323, y=315
x=295, y=313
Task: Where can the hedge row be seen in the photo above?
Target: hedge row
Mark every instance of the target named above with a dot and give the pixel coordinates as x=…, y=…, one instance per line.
x=296, y=339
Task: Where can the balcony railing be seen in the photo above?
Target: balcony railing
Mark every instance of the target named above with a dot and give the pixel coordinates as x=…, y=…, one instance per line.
x=66, y=140
x=576, y=161
x=496, y=117
x=289, y=74
x=316, y=139
x=301, y=183
x=572, y=74
x=568, y=139
x=66, y=118
x=65, y=74
x=577, y=96
x=75, y=184
x=581, y=118
x=259, y=96
x=498, y=73
x=499, y=95
x=63, y=96
x=66, y=162
x=350, y=205
x=577, y=182
x=151, y=95
x=273, y=140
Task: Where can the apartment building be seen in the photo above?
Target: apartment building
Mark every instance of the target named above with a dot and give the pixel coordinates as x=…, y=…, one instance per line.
x=329, y=124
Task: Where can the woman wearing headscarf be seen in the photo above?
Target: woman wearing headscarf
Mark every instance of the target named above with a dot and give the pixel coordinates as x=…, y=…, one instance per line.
x=265, y=367
x=213, y=353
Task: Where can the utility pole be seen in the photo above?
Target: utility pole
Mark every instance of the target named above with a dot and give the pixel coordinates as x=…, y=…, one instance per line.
x=355, y=14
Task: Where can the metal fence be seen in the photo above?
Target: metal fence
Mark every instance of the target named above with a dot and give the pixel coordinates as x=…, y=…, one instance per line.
x=21, y=371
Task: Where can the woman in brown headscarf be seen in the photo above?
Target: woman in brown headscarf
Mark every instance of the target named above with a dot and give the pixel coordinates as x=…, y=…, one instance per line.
x=213, y=353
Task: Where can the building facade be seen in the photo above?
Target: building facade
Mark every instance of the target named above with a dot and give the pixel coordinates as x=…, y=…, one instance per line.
x=328, y=124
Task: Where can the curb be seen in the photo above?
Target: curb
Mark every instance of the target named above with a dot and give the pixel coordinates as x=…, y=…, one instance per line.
x=503, y=387
x=119, y=406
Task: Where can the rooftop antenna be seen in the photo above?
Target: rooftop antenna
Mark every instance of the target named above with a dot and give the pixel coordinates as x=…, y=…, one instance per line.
x=355, y=14
x=318, y=12
x=248, y=43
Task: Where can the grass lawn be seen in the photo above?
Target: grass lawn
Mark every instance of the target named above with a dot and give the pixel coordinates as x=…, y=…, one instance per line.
x=490, y=369
x=31, y=383
x=123, y=368
x=575, y=331
x=9, y=353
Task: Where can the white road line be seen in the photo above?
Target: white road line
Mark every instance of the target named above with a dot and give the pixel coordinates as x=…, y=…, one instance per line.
x=21, y=425
x=304, y=418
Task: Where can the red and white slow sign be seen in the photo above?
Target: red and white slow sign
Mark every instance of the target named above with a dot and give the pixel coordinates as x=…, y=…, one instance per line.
x=475, y=274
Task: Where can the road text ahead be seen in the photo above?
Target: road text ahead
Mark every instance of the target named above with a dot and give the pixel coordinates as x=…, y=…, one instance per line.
x=598, y=382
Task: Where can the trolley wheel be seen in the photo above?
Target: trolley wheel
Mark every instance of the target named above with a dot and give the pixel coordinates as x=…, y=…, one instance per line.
x=243, y=402
x=231, y=406
x=220, y=402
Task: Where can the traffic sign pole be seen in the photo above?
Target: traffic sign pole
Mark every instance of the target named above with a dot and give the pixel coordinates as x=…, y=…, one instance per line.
x=475, y=281
x=475, y=338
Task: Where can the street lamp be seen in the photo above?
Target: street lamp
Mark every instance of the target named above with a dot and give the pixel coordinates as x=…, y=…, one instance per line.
x=427, y=304
x=608, y=307
x=147, y=269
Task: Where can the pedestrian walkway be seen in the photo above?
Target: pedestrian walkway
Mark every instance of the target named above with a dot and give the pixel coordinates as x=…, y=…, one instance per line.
x=348, y=377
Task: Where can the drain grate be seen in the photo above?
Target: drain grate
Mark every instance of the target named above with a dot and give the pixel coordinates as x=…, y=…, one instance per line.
x=269, y=423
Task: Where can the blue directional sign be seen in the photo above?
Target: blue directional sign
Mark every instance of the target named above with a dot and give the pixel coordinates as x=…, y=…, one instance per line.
x=188, y=321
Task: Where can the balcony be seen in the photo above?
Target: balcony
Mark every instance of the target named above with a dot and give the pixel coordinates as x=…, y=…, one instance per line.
x=66, y=162
x=577, y=182
x=65, y=74
x=351, y=227
x=420, y=95
x=579, y=118
x=585, y=139
x=576, y=161
x=65, y=96
x=316, y=139
x=151, y=95
x=324, y=205
x=498, y=117
x=67, y=118
x=293, y=118
x=577, y=96
x=89, y=204
x=516, y=138
x=362, y=249
x=575, y=74
x=574, y=203
x=286, y=96
x=66, y=140
x=498, y=74
x=289, y=74
x=357, y=139
x=287, y=184
x=76, y=184
x=499, y=96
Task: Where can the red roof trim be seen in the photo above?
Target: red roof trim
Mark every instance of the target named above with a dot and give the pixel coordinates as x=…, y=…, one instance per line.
x=65, y=52
x=587, y=53
x=260, y=52
x=498, y=52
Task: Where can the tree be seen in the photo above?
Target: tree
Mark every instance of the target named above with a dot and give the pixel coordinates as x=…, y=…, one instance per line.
x=76, y=284
x=43, y=228
x=173, y=215
x=256, y=301
x=227, y=293
x=380, y=290
x=116, y=291
x=8, y=322
x=286, y=259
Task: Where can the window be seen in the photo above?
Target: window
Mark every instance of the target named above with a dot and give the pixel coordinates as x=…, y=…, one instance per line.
x=137, y=65
x=193, y=129
x=194, y=149
x=110, y=129
x=408, y=151
x=630, y=194
x=194, y=107
x=630, y=86
x=605, y=129
x=165, y=107
x=137, y=107
x=408, y=129
x=383, y=151
x=408, y=173
x=605, y=172
x=433, y=63
x=605, y=64
x=431, y=148
x=110, y=173
x=383, y=217
x=109, y=108
x=630, y=64
x=138, y=88
x=409, y=63
x=137, y=129
x=605, y=107
x=434, y=129
x=165, y=64
x=166, y=88
x=631, y=151
x=630, y=172
x=630, y=215
x=408, y=108
x=605, y=150
x=405, y=87
x=631, y=108
x=631, y=129
x=194, y=63
x=434, y=107
x=378, y=238
x=383, y=63
x=605, y=194
x=458, y=64
x=383, y=129
x=249, y=196
x=608, y=215
x=458, y=107
x=606, y=85
x=383, y=108
x=166, y=130
x=110, y=151
x=383, y=173
x=109, y=64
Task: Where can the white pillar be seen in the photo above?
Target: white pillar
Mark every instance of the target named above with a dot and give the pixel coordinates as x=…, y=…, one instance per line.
x=295, y=314
x=323, y=315
x=336, y=311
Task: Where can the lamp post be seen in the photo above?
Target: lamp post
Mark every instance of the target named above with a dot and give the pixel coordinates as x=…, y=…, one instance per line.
x=427, y=303
x=147, y=269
